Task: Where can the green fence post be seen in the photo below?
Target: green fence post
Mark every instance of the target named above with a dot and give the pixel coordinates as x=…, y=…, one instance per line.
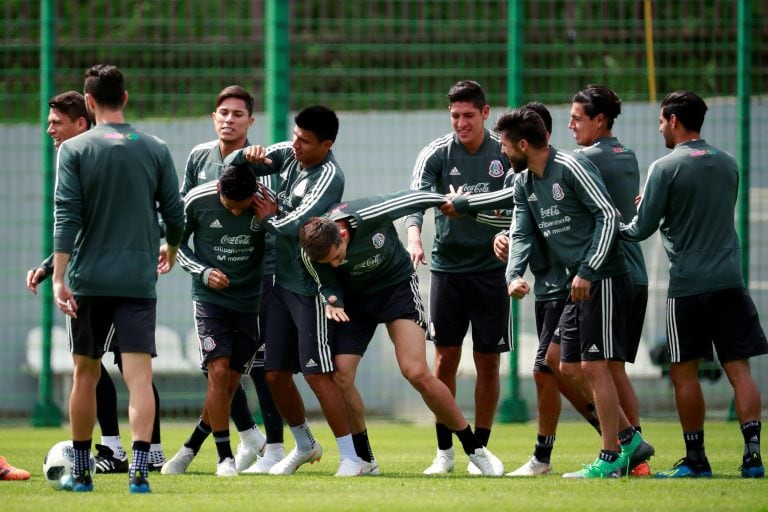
x=514, y=409
x=46, y=412
x=276, y=69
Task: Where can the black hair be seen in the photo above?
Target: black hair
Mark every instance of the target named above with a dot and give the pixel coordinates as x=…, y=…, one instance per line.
x=237, y=182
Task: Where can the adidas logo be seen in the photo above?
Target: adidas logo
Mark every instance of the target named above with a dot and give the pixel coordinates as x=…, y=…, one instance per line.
x=532, y=197
x=501, y=342
x=454, y=172
x=593, y=349
x=215, y=224
x=311, y=364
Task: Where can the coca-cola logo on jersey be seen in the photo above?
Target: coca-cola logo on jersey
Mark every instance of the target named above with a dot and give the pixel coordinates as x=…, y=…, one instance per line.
x=477, y=188
x=236, y=240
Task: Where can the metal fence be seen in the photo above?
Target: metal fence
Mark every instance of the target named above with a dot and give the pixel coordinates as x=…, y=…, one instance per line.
x=386, y=66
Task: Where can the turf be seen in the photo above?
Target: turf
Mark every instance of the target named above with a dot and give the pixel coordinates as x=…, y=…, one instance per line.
x=403, y=451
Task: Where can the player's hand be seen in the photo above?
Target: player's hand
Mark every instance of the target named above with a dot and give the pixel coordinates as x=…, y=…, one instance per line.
x=638, y=199
x=34, y=276
x=447, y=208
x=518, y=288
x=64, y=299
x=416, y=250
x=217, y=279
x=167, y=258
x=580, y=289
x=501, y=247
x=257, y=155
x=264, y=205
x=335, y=313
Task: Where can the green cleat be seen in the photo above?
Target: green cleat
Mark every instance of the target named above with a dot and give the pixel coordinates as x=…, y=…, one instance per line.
x=634, y=453
x=598, y=469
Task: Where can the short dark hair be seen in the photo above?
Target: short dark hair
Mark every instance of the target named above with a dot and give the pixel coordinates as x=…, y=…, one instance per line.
x=469, y=91
x=237, y=182
x=543, y=111
x=320, y=120
x=523, y=123
x=318, y=235
x=688, y=107
x=71, y=104
x=235, y=91
x=105, y=83
x=599, y=99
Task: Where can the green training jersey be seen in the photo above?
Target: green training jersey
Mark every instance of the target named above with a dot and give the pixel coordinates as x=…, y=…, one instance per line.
x=234, y=244
x=621, y=174
x=376, y=259
x=205, y=164
x=303, y=193
x=463, y=245
x=111, y=182
x=690, y=197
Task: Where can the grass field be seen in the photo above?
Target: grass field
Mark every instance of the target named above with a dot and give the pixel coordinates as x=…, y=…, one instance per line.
x=403, y=451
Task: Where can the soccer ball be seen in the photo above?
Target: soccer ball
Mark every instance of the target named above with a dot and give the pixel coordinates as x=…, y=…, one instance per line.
x=58, y=462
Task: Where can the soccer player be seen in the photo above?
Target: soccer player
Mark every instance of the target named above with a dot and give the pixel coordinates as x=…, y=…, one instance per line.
x=366, y=278
x=551, y=291
x=562, y=198
x=226, y=265
x=467, y=281
x=232, y=117
x=68, y=117
x=593, y=113
x=298, y=337
x=690, y=197
x=111, y=182
x=8, y=472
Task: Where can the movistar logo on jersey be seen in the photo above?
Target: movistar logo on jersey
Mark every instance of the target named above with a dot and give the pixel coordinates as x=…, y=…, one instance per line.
x=496, y=170
x=454, y=172
x=557, y=192
x=215, y=224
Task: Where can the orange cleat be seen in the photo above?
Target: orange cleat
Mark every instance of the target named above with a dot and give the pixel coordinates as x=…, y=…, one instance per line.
x=642, y=469
x=8, y=472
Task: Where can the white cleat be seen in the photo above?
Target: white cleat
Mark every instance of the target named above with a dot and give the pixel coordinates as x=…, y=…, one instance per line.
x=263, y=464
x=486, y=462
x=350, y=467
x=179, y=463
x=295, y=458
x=226, y=468
x=371, y=468
x=246, y=456
x=443, y=463
x=473, y=470
x=533, y=467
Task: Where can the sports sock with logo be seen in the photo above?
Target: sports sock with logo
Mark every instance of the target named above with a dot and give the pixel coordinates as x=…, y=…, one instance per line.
x=305, y=441
x=751, y=432
x=82, y=452
x=694, y=446
x=140, y=459
x=363, y=445
x=543, y=449
x=609, y=455
x=626, y=435
x=223, y=447
x=199, y=435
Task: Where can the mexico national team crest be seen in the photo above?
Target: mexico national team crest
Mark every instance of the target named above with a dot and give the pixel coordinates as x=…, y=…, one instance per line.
x=496, y=169
x=557, y=192
x=255, y=226
x=378, y=240
x=208, y=344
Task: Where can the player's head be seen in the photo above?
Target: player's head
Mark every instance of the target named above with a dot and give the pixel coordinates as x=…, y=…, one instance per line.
x=324, y=240
x=469, y=110
x=67, y=116
x=105, y=85
x=543, y=112
x=236, y=186
x=314, y=134
x=592, y=113
x=233, y=115
x=522, y=131
x=681, y=112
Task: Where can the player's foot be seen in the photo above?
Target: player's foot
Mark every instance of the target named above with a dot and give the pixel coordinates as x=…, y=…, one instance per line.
x=443, y=463
x=79, y=483
x=106, y=462
x=247, y=455
x=598, y=469
x=179, y=463
x=685, y=468
x=473, y=470
x=8, y=472
x=486, y=462
x=350, y=467
x=634, y=452
x=264, y=464
x=371, y=468
x=533, y=467
x=226, y=468
x=138, y=484
x=642, y=469
x=156, y=460
x=295, y=458
x=752, y=466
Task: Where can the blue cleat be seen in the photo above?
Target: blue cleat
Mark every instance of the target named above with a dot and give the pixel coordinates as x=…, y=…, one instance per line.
x=685, y=468
x=138, y=484
x=752, y=467
x=79, y=483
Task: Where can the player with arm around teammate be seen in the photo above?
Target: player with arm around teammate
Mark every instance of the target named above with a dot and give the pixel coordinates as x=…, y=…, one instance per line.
x=366, y=279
